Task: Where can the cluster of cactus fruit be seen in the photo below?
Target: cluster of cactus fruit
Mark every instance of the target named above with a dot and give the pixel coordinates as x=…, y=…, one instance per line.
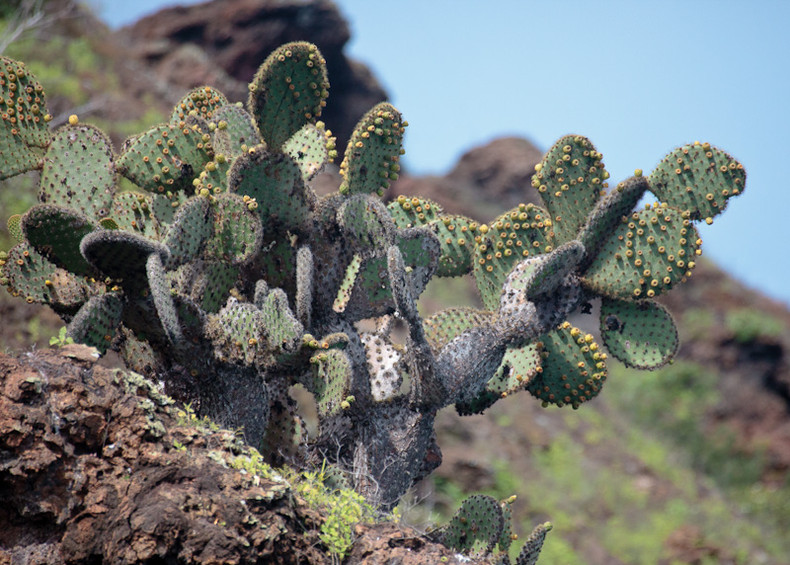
x=218, y=271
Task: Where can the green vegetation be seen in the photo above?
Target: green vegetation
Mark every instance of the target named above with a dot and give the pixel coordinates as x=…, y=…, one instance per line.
x=748, y=325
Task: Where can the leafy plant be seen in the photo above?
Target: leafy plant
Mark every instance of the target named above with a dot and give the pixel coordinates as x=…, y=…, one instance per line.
x=225, y=276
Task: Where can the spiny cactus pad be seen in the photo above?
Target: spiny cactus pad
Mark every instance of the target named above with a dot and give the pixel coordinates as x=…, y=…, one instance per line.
x=650, y=251
x=24, y=135
x=532, y=547
x=238, y=232
x=456, y=236
x=476, y=527
x=234, y=131
x=570, y=180
x=572, y=370
x=522, y=232
x=331, y=370
x=202, y=101
x=699, y=178
x=166, y=158
x=56, y=232
x=36, y=279
x=446, y=324
x=309, y=148
x=192, y=226
x=373, y=152
x=543, y=273
x=79, y=171
x=275, y=181
x=288, y=92
x=641, y=333
x=409, y=212
x=96, y=322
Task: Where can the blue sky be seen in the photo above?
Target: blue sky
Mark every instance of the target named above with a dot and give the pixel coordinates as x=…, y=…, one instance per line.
x=637, y=78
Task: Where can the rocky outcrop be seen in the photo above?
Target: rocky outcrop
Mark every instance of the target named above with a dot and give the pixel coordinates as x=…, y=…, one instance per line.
x=222, y=43
x=96, y=466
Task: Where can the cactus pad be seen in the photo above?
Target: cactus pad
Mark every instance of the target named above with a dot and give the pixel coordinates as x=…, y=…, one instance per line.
x=373, y=152
x=133, y=212
x=522, y=232
x=283, y=330
x=288, y=91
x=238, y=232
x=166, y=158
x=640, y=334
x=275, y=182
x=309, y=148
x=366, y=223
x=97, y=321
x=24, y=135
x=650, y=252
x=79, y=171
x=239, y=332
x=235, y=132
x=570, y=180
x=121, y=255
x=573, y=368
x=384, y=367
x=531, y=550
x=698, y=178
x=476, y=527
x=542, y=274
x=56, y=232
x=163, y=298
x=34, y=277
x=14, y=226
x=206, y=282
x=608, y=212
x=331, y=382
x=445, y=325
x=456, y=236
x=202, y=101
x=411, y=212
x=190, y=229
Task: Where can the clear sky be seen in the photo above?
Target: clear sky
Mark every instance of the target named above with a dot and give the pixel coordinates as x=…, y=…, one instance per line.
x=637, y=78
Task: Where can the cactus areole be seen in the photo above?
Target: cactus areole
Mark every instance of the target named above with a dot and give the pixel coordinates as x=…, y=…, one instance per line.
x=225, y=277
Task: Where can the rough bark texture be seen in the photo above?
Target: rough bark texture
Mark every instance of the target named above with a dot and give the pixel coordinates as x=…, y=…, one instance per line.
x=96, y=467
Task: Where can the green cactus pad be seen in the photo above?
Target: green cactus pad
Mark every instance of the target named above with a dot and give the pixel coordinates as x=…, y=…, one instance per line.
x=373, y=152
x=234, y=131
x=283, y=330
x=238, y=332
x=608, y=213
x=366, y=223
x=214, y=176
x=238, y=232
x=97, y=321
x=163, y=298
x=138, y=355
x=570, y=180
x=650, y=252
x=384, y=365
x=412, y=212
x=542, y=274
x=456, y=235
x=331, y=380
x=166, y=158
x=14, y=226
x=640, y=334
x=522, y=232
x=79, y=171
x=507, y=537
x=202, y=101
x=573, y=368
x=519, y=366
x=24, y=135
x=445, y=325
x=309, y=149
x=347, y=284
x=36, y=279
x=531, y=550
x=133, y=212
x=207, y=283
x=372, y=292
x=275, y=181
x=277, y=264
x=56, y=233
x=698, y=178
x=121, y=255
x=288, y=91
x=192, y=226
x=476, y=527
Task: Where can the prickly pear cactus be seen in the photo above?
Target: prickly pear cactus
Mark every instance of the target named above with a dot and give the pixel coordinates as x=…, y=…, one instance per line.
x=224, y=275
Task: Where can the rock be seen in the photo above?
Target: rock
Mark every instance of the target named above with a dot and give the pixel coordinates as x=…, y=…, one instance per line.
x=97, y=466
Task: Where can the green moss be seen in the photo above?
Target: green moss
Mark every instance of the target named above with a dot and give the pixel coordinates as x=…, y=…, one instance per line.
x=748, y=324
